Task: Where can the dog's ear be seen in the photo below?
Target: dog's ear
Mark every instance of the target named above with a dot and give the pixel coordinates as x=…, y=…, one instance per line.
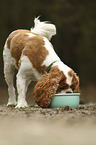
x=46, y=88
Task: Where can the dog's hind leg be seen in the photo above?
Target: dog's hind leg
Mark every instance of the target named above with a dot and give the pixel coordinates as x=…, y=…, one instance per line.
x=9, y=75
x=23, y=80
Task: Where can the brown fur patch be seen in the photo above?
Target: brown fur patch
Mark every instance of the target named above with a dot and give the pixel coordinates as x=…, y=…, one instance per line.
x=14, y=33
x=36, y=52
x=33, y=47
x=70, y=73
x=46, y=88
x=62, y=84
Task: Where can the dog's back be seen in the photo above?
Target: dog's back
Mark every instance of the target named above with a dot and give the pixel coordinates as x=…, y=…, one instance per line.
x=24, y=42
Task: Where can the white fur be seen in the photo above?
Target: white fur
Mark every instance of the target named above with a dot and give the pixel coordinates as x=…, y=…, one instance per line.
x=30, y=34
x=28, y=70
x=66, y=90
x=63, y=67
x=44, y=28
x=51, y=57
x=7, y=56
x=9, y=66
x=25, y=75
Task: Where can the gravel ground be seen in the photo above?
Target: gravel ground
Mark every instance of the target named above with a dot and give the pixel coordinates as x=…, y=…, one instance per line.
x=83, y=112
x=58, y=126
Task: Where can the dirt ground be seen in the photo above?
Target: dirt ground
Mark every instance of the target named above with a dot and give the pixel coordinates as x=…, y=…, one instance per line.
x=37, y=126
x=58, y=126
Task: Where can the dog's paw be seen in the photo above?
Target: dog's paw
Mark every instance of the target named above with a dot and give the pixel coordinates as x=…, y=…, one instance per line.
x=22, y=105
x=12, y=103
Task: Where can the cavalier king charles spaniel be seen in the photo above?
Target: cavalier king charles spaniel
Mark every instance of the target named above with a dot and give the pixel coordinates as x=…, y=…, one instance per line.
x=33, y=55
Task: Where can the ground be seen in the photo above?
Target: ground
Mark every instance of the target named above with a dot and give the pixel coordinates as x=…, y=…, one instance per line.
x=58, y=126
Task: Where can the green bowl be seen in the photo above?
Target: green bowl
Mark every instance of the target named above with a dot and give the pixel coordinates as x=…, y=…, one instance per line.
x=65, y=99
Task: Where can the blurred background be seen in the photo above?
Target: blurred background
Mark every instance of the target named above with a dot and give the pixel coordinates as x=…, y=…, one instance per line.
x=75, y=42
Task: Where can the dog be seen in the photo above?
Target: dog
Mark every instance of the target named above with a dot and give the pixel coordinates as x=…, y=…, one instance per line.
x=33, y=55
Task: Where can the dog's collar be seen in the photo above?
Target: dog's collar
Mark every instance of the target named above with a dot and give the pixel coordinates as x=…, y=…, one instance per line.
x=49, y=67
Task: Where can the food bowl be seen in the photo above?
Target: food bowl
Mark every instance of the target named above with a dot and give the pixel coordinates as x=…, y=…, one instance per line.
x=65, y=99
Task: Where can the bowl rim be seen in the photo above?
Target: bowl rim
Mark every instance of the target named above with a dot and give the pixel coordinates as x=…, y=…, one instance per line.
x=67, y=94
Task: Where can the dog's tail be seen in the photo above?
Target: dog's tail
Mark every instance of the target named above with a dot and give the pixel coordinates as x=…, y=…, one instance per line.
x=44, y=29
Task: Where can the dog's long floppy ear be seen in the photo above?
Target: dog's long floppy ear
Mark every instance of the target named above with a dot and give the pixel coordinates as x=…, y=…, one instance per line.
x=46, y=88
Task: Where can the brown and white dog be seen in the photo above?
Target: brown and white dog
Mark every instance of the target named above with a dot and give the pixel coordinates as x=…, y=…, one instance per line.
x=31, y=53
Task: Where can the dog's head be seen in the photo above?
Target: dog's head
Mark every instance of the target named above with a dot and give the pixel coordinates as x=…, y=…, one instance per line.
x=52, y=83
